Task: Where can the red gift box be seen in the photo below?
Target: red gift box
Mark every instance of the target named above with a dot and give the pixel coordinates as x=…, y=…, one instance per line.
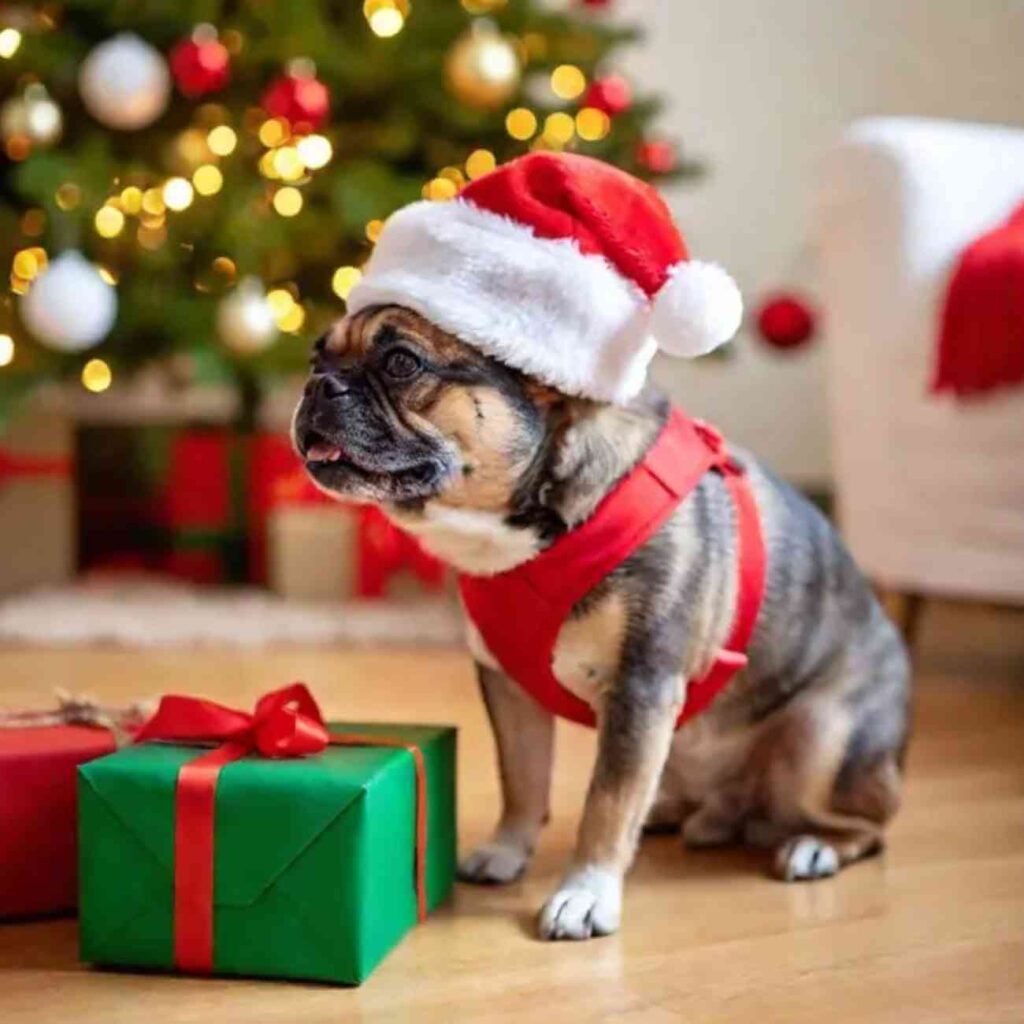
x=38, y=851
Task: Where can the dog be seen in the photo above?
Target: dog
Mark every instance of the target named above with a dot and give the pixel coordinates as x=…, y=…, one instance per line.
x=487, y=466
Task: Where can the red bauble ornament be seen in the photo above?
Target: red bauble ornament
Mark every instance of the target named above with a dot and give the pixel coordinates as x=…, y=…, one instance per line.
x=656, y=157
x=302, y=100
x=200, y=65
x=786, y=321
x=596, y=4
x=612, y=94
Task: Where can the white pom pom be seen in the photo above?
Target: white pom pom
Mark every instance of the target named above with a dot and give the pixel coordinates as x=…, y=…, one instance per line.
x=697, y=309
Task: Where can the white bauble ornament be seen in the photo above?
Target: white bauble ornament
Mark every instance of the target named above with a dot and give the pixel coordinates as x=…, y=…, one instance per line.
x=34, y=115
x=125, y=83
x=69, y=306
x=245, y=320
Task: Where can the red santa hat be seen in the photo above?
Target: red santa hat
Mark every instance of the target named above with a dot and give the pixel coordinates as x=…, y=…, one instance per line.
x=561, y=266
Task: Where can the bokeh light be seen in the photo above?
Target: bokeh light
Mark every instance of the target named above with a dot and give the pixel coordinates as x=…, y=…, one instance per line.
x=96, y=376
x=344, y=280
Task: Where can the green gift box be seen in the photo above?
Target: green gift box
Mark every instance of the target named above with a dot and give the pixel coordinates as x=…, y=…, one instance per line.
x=313, y=857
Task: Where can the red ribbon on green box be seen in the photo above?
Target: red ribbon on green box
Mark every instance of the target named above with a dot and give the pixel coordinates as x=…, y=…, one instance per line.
x=285, y=723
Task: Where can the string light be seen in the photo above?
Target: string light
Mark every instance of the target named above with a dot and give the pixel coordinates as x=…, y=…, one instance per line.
x=33, y=222
x=267, y=166
x=151, y=237
x=27, y=264
x=454, y=175
x=479, y=163
x=96, y=376
x=521, y=123
x=386, y=17
x=107, y=274
x=373, y=229
x=68, y=196
x=592, y=124
x=10, y=40
x=567, y=81
x=288, y=164
x=109, y=222
x=177, y=194
x=192, y=146
x=292, y=321
x=207, y=180
x=344, y=280
x=273, y=132
x=439, y=189
x=288, y=201
x=131, y=199
x=222, y=140
x=224, y=267
x=6, y=350
x=559, y=128
x=281, y=302
x=153, y=202
x=315, y=151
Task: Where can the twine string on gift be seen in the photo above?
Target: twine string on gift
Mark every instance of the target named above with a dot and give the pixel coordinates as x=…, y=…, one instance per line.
x=123, y=723
x=285, y=723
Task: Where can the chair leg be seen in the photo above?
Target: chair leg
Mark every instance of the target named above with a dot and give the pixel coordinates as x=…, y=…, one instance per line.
x=905, y=607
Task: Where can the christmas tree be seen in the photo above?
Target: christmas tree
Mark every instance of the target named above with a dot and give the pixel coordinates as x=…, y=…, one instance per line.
x=195, y=183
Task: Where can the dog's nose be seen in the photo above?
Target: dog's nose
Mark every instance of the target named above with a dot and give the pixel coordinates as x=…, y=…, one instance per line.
x=329, y=387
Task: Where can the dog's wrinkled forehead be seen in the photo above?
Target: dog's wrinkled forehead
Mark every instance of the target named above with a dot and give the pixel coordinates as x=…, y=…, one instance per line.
x=353, y=337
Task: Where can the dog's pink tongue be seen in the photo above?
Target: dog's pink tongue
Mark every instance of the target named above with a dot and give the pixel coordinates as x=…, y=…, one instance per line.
x=324, y=452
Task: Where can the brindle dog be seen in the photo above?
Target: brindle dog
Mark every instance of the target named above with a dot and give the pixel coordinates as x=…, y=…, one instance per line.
x=802, y=752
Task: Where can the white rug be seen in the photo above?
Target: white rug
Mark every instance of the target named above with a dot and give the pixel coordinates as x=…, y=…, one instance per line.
x=169, y=614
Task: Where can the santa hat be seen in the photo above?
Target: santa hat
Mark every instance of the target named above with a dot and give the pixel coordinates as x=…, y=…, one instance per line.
x=559, y=265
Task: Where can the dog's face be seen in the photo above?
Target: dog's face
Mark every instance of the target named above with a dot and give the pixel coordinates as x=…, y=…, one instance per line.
x=397, y=411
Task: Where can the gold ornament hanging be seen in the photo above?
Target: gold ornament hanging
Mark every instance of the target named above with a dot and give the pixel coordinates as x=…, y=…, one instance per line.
x=482, y=69
x=31, y=120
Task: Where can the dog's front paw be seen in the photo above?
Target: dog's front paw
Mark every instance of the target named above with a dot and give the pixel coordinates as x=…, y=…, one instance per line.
x=805, y=858
x=495, y=863
x=587, y=903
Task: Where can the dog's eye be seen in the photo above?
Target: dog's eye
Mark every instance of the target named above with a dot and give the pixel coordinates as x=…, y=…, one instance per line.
x=401, y=364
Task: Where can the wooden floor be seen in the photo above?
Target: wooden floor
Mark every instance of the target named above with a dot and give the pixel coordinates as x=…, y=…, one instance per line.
x=933, y=931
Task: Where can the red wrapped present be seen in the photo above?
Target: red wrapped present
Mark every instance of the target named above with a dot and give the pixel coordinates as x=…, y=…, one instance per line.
x=39, y=756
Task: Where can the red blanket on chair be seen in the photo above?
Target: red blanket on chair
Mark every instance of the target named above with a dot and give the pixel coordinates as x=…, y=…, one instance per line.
x=981, y=342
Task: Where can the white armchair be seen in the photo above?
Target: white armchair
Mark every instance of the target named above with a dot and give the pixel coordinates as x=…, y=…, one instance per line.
x=930, y=491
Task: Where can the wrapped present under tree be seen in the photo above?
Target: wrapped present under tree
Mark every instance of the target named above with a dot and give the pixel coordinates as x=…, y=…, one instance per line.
x=293, y=849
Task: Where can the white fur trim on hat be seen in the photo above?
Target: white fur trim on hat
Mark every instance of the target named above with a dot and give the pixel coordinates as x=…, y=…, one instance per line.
x=537, y=304
x=697, y=309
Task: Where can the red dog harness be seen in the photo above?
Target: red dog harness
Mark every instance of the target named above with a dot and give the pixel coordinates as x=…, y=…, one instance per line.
x=520, y=613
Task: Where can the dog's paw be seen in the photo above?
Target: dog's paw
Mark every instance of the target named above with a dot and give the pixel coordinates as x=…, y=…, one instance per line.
x=804, y=858
x=587, y=903
x=495, y=863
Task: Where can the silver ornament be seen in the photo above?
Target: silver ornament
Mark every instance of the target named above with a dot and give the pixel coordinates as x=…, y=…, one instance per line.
x=69, y=307
x=125, y=83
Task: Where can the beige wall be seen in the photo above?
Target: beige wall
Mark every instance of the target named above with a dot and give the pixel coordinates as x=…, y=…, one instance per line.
x=758, y=88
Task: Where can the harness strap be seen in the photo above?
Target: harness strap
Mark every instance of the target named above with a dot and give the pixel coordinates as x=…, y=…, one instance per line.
x=520, y=613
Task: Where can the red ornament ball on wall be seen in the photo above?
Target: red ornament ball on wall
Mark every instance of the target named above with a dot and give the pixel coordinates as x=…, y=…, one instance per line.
x=612, y=94
x=786, y=321
x=303, y=101
x=200, y=66
x=656, y=157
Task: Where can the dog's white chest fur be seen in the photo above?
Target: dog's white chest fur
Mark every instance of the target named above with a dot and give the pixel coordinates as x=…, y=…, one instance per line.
x=475, y=542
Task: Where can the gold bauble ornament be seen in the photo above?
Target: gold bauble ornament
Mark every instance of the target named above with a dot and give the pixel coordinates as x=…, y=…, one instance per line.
x=245, y=319
x=33, y=115
x=482, y=69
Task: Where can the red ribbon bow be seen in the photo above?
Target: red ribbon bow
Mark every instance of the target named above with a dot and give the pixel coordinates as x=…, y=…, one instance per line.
x=284, y=723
